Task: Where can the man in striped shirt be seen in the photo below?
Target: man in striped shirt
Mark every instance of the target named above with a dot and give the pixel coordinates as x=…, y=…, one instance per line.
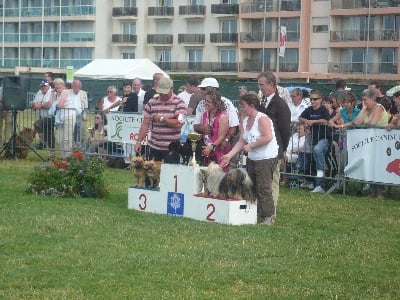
x=164, y=115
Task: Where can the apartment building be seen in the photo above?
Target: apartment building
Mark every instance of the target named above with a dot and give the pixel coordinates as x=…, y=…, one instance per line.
x=324, y=39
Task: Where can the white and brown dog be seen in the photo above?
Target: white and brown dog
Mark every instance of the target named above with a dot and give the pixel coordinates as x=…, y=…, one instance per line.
x=214, y=178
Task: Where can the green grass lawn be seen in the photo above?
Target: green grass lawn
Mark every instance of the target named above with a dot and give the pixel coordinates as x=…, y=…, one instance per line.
x=332, y=247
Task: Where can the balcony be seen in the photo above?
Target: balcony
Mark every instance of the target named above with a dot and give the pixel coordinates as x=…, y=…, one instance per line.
x=76, y=10
x=225, y=9
x=258, y=6
x=77, y=36
x=163, y=11
x=288, y=67
x=79, y=10
x=291, y=5
x=46, y=63
x=206, y=67
x=124, y=38
x=160, y=39
x=194, y=38
x=223, y=38
x=10, y=37
x=192, y=10
x=270, y=6
x=372, y=35
x=257, y=37
x=355, y=4
x=363, y=68
x=124, y=12
x=255, y=66
x=268, y=36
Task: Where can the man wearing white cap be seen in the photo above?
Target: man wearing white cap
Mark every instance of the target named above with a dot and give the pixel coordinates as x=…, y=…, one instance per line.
x=45, y=125
x=164, y=115
x=233, y=118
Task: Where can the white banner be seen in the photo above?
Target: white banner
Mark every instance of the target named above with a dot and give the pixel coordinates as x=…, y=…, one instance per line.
x=282, y=41
x=373, y=155
x=124, y=127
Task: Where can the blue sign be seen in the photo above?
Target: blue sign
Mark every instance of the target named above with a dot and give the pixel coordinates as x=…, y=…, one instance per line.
x=175, y=204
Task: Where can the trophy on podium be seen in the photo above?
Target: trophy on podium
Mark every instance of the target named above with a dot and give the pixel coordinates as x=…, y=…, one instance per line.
x=203, y=181
x=194, y=137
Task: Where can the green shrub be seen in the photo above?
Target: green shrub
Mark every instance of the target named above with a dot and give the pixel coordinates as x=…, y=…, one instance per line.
x=77, y=176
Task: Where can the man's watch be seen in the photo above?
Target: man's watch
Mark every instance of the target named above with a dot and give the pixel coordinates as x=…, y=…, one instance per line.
x=161, y=119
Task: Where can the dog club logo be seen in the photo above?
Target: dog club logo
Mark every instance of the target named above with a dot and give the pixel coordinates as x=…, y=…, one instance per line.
x=118, y=129
x=393, y=166
x=175, y=204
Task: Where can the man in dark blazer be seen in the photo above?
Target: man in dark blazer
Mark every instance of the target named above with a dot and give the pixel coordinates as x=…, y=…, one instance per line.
x=277, y=109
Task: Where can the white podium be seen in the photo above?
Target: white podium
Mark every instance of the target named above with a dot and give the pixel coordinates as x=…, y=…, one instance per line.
x=179, y=195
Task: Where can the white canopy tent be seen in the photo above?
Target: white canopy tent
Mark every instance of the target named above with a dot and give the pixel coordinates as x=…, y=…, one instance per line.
x=119, y=69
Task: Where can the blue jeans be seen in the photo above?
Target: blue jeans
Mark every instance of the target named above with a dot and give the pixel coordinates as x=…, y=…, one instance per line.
x=319, y=152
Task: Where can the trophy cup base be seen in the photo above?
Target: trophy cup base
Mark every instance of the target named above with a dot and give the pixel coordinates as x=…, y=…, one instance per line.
x=193, y=162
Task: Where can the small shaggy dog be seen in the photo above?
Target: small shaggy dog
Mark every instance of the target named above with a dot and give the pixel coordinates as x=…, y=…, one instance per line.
x=236, y=184
x=152, y=173
x=137, y=167
x=23, y=142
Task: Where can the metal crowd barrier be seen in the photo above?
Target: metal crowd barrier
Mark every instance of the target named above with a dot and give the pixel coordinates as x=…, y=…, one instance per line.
x=297, y=170
x=69, y=134
x=300, y=165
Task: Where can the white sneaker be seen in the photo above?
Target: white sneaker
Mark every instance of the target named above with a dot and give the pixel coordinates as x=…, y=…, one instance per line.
x=269, y=221
x=307, y=185
x=318, y=189
x=366, y=188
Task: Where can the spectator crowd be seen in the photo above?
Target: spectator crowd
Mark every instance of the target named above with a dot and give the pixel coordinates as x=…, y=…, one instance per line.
x=272, y=126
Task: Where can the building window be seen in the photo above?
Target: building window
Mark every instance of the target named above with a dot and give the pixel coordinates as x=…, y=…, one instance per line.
x=352, y=60
x=290, y=62
x=319, y=55
x=82, y=53
x=128, y=3
x=195, y=58
x=228, y=26
x=128, y=28
x=228, y=59
x=320, y=24
x=292, y=29
x=163, y=58
x=388, y=62
x=83, y=2
x=165, y=3
x=196, y=2
x=128, y=55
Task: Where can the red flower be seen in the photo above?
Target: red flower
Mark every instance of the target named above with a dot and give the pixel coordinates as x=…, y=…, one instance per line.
x=61, y=164
x=78, y=155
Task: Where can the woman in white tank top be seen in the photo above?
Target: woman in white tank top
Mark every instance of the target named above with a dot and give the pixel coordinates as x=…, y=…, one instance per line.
x=257, y=139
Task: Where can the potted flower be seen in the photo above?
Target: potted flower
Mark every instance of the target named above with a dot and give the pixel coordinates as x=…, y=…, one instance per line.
x=78, y=175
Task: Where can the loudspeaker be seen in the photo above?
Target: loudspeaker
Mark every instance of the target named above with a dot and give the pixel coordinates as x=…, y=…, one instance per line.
x=14, y=92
